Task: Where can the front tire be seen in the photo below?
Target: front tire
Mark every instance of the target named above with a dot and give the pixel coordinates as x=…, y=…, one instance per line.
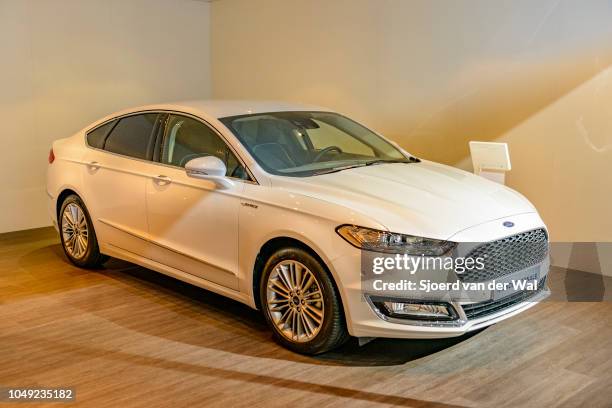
x=301, y=304
x=77, y=234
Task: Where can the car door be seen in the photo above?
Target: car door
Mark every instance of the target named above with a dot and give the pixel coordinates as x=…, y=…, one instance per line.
x=116, y=169
x=193, y=222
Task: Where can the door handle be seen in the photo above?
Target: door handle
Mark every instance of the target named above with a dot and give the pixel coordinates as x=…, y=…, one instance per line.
x=162, y=180
x=94, y=165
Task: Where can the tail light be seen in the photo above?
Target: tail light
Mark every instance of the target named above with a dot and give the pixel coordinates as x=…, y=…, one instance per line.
x=51, y=156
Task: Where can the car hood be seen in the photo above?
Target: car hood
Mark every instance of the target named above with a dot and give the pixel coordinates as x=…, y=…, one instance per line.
x=425, y=199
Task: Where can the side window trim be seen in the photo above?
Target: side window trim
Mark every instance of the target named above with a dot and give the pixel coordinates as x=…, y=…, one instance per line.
x=159, y=129
x=166, y=114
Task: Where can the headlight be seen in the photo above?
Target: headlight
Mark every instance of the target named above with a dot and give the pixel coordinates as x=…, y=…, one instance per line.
x=389, y=242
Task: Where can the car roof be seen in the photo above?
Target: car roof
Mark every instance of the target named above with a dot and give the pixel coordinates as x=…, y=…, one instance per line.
x=214, y=109
x=224, y=108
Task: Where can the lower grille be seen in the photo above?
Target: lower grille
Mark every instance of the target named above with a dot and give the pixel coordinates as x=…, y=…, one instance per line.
x=489, y=307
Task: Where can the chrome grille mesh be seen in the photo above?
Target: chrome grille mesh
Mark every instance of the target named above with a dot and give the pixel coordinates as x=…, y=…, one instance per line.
x=507, y=255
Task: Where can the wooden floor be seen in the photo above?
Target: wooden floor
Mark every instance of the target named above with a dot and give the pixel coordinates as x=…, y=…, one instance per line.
x=125, y=336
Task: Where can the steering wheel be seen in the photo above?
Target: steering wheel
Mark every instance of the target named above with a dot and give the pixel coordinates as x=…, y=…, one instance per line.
x=325, y=151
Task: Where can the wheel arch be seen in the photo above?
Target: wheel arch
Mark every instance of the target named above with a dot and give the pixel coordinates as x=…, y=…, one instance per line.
x=64, y=192
x=274, y=244
x=61, y=197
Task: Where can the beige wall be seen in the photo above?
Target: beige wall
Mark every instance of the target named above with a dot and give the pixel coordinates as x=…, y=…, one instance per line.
x=65, y=63
x=562, y=159
x=434, y=74
x=431, y=74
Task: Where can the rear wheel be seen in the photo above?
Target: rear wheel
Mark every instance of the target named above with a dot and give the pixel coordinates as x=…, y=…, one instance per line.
x=301, y=303
x=77, y=234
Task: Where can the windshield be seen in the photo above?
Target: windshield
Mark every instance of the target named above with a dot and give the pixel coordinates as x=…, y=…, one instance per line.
x=301, y=144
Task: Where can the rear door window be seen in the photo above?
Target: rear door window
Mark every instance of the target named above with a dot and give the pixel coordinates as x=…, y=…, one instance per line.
x=133, y=136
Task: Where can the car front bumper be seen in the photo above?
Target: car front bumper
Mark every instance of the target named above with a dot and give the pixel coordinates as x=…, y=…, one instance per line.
x=364, y=319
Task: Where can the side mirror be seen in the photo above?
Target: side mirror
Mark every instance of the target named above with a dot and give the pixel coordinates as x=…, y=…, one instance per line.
x=208, y=168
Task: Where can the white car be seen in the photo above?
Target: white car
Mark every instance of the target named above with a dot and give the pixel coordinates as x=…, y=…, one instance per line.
x=272, y=204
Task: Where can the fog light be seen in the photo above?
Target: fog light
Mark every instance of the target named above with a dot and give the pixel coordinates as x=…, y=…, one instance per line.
x=415, y=311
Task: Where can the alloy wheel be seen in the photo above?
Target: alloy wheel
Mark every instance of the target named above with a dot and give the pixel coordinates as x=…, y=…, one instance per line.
x=295, y=301
x=75, y=231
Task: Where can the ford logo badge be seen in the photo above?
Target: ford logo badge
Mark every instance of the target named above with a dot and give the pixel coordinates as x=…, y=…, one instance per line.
x=508, y=224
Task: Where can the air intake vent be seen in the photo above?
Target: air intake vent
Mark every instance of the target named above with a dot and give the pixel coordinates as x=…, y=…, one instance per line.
x=487, y=308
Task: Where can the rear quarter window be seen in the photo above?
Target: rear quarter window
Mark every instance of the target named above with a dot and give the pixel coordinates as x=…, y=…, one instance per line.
x=96, y=137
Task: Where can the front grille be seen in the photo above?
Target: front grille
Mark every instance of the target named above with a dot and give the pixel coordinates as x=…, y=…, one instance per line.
x=507, y=255
x=489, y=307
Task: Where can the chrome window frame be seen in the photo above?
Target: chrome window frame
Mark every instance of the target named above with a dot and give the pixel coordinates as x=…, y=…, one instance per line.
x=252, y=180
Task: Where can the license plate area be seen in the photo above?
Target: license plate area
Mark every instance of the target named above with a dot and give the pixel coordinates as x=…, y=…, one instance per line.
x=522, y=281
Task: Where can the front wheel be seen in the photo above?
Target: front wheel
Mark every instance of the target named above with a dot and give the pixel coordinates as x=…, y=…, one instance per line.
x=77, y=234
x=301, y=303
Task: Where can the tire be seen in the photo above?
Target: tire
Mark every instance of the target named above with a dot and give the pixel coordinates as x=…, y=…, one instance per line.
x=83, y=250
x=293, y=311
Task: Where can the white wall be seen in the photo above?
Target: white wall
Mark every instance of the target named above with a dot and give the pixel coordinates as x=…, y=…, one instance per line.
x=65, y=63
x=434, y=74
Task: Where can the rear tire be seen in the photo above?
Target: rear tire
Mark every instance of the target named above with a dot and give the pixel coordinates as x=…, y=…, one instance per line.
x=77, y=234
x=301, y=303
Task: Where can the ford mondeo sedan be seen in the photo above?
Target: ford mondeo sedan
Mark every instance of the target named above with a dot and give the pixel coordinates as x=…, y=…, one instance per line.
x=273, y=204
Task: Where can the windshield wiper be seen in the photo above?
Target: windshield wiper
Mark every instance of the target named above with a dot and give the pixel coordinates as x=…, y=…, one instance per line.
x=410, y=159
x=336, y=169
x=368, y=163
